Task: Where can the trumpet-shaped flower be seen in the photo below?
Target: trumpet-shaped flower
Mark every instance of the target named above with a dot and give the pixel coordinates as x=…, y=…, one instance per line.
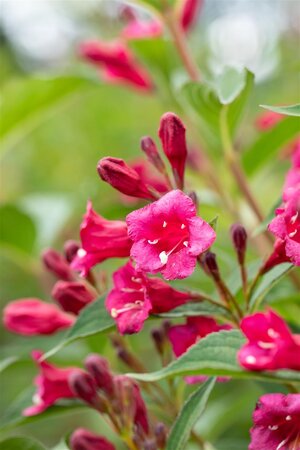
x=168, y=236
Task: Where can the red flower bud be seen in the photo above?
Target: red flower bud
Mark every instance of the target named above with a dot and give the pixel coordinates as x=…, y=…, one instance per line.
x=239, y=239
x=189, y=11
x=99, y=369
x=72, y=296
x=160, y=432
x=83, y=386
x=57, y=264
x=70, y=249
x=211, y=265
x=149, y=147
x=123, y=178
x=83, y=439
x=172, y=135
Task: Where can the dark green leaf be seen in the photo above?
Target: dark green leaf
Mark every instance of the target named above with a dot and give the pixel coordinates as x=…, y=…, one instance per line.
x=17, y=228
x=21, y=443
x=93, y=319
x=268, y=143
x=291, y=110
x=191, y=411
x=216, y=355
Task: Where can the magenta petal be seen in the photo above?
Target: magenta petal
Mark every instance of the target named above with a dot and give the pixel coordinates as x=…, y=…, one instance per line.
x=202, y=236
x=179, y=265
x=146, y=256
x=292, y=249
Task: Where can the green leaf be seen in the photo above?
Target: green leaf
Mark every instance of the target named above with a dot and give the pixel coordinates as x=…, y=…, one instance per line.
x=203, y=308
x=21, y=443
x=13, y=415
x=93, y=319
x=17, y=228
x=269, y=280
x=291, y=110
x=229, y=84
x=216, y=355
x=268, y=143
x=28, y=103
x=7, y=362
x=191, y=411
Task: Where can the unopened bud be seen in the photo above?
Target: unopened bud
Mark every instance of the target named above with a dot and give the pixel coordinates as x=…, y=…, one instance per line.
x=239, y=239
x=149, y=147
x=72, y=296
x=194, y=198
x=83, y=439
x=189, y=12
x=210, y=265
x=158, y=337
x=57, y=264
x=83, y=386
x=70, y=249
x=124, y=389
x=160, y=432
x=123, y=178
x=172, y=136
x=99, y=369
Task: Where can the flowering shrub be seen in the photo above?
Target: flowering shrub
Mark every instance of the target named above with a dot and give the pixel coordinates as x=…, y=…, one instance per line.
x=219, y=329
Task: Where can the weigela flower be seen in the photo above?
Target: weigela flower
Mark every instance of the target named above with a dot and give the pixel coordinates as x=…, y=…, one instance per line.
x=189, y=12
x=72, y=296
x=172, y=135
x=168, y=236
x=83, y=439
x=100, y=239
x=278, y=256
x=142, y=29
x=271, y=345
x=31, y=317
x=124, y=178
x=276, y=423
x=267, y=120
x=183, y=336
x=52, y=385
x=117, y=63
x=135, y=296
x=286, y=226
x=57, y=264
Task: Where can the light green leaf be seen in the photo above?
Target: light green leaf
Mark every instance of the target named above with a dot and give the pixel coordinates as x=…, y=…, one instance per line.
x=268, y=143
x=7, y=362
x=229, y=84
x=269, y=280
x=21, y=443
x=216, y=355
x=191, y=411
x=203, y=308
x=17, y=228
x=93, y=319
x=291, y=110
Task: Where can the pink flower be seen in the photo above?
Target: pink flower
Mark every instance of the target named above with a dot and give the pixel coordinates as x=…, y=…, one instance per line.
x=83, y=439
x=72, y=296
x=100, y=239
x=168, y=236
x=135, y=296
x=142, y=29
x=292, y=184
x=267, y=120
x=271, y=345
x=31, y=317
x=57, y=264
x=172, y=135
x=286, y=226
x=124, y=178
x=278, y=256
x=276, y=423
x=117, y=63
x=189, y=12
x=52, y=385
x=182, y=337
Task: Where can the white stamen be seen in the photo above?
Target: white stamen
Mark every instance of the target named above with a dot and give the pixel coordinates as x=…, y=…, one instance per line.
x=185, y=243
x=155, y=241
x=165, y=224
x=182, y=226
x=293, y=233
x=250, y=359
x=273, y=427
x=127, y=307
x=288, y=418
x=81, y=253
x=36, y=399
x=282, y=443
x=136, y=280
x=266, y=345
x=163, y=256
x=272, y=333
x=294, y=218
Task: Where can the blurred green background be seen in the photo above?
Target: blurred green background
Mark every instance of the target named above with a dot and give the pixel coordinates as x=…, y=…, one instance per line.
x=58, y=119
